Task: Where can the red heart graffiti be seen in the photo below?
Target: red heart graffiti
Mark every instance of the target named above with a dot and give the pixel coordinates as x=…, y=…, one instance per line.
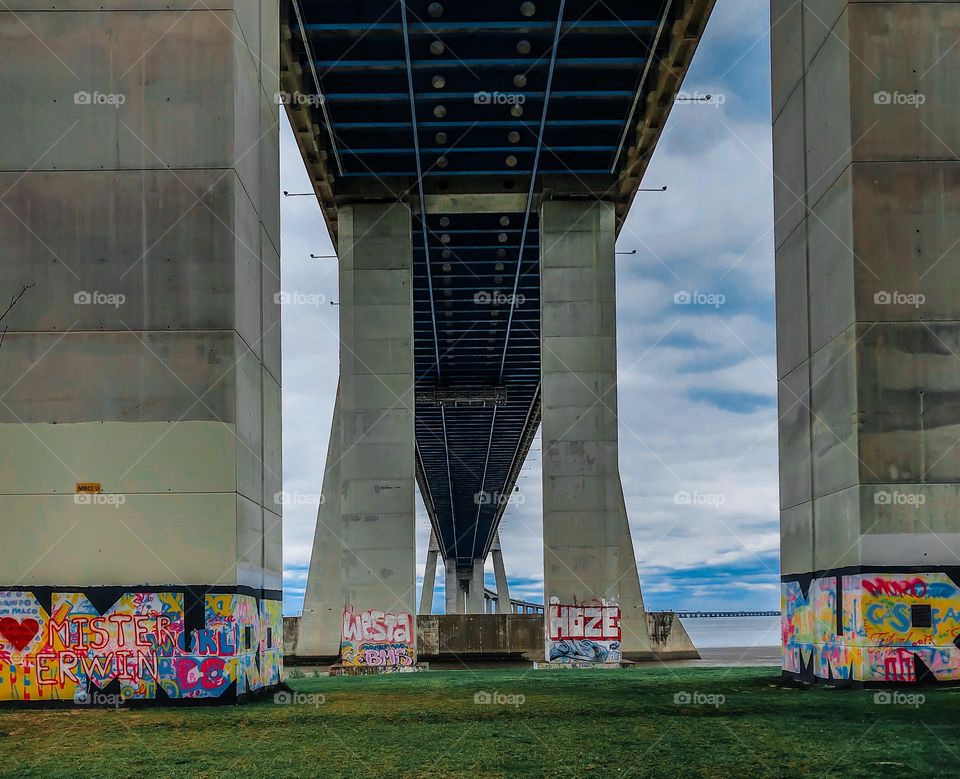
x=19, y=633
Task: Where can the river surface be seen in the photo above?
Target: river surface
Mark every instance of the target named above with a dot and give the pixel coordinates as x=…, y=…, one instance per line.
x=720, y=632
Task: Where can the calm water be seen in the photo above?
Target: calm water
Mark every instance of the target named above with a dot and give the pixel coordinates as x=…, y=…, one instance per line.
x=715, y=632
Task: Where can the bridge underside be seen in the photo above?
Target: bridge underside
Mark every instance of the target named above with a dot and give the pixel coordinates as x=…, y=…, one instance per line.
x=469, y=120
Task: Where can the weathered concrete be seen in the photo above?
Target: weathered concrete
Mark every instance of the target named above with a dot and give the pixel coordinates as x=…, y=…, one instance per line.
x=429, y=575
x=496, y=637
x=490, y=635
x=475, y=600
x=453, y=592
x=140, y=194
x=867, y=234
x=500, y=576
x=364, y=552
x=588, y=552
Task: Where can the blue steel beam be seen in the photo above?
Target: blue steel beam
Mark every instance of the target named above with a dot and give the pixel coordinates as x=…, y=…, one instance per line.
x=498, y=125
x=426, y=244
x=507, y=172
x=434, y=97
x=433, y=65
x=450, y=28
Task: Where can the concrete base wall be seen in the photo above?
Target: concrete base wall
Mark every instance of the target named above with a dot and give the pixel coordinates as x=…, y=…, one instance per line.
x=505, y=637
x=472, y=635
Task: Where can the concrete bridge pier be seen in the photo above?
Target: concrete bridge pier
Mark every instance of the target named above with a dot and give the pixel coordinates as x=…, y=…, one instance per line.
x=500, y=577
x=140, y=378
x=364, y=554
x=867, y=198
x=588, y=551
x=429, y=575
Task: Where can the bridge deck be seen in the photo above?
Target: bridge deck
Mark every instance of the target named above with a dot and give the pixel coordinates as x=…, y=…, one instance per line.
x=470, y=111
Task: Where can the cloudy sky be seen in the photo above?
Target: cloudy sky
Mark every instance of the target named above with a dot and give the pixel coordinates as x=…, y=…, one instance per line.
x=696, y=352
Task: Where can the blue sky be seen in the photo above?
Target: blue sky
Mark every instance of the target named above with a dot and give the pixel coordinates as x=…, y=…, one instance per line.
x=697, y=385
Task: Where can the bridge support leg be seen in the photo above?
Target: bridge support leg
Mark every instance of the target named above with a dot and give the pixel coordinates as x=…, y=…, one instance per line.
x=139, y=172
x=364, y=555
x=500, y=576
x=429, y=575
x=867, y=202
x=453, y=589
x=588, y=551
x=475, y=591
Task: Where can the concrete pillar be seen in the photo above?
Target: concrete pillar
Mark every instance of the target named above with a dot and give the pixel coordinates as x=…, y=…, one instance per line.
x=867, y=198
x=500, y=576
x=475, y=589
x=588, y=552
x=364, y=549
x=320, y=622
x=429, y=575
x=140, y=196
x=454, y=592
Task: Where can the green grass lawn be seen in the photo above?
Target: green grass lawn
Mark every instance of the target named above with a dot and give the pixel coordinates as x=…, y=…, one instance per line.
x=569, y=724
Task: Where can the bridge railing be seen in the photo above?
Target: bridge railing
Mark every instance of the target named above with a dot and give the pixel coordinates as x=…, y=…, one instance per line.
x=700, y=614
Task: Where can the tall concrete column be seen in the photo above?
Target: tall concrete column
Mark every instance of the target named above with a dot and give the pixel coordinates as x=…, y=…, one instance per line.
x=867, y=197
x=475, y=590
x=453, y=590
x=429, y=575
x=364, y=554
x=139, y=185
x=588, y=552
x=500, y=576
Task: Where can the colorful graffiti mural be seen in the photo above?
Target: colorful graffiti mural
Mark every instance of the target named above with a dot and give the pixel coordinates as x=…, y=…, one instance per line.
x=378, y=641
x=587, y=632
x=872, y=627
x=140, y=644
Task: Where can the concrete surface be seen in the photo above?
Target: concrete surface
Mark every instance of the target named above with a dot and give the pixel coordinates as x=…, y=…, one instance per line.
x=866, y=201
x=364, y=552
x=169, y=202
x=494, y=638
x=588, y=551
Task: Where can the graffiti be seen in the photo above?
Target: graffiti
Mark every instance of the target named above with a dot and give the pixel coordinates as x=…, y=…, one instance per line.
x=379, y=641
x=584, y=651
x=888, y=627
x=916, y=587
x=898, y=666
x=587, y=632
x=140, y=644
